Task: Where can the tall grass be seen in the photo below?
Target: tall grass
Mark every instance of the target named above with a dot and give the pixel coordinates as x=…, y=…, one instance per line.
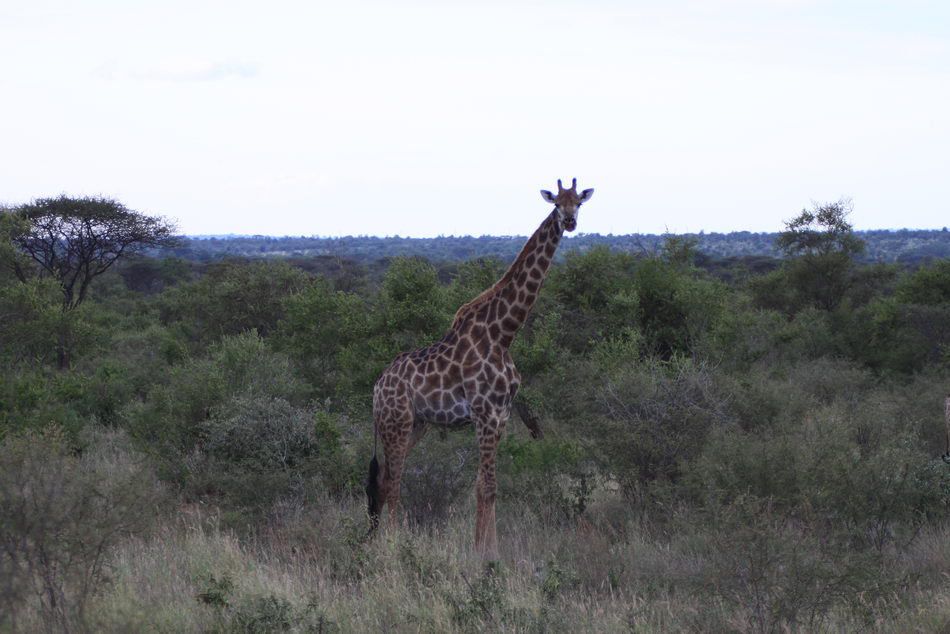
x=310, y=569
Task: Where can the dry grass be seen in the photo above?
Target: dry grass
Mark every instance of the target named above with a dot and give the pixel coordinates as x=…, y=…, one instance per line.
x=311, y=570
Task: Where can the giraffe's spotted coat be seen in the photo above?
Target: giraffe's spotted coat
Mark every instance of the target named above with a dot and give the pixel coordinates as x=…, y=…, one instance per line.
x=468, y=376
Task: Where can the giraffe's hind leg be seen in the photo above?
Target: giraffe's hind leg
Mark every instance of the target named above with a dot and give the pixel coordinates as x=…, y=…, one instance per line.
x=398, y=439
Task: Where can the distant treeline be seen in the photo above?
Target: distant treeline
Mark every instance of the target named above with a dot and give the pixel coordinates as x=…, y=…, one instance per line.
x=906, y=246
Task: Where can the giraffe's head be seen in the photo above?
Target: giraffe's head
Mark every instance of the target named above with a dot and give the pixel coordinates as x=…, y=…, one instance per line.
x=567, y=203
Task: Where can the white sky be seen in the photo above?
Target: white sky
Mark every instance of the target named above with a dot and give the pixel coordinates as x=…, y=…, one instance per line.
x=429, y=118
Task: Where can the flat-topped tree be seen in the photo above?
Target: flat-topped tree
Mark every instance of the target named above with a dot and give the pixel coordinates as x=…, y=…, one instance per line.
x=74, y=240
x=468, y=376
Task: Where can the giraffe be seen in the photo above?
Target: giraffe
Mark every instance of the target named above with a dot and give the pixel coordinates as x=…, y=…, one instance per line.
x=468, y=376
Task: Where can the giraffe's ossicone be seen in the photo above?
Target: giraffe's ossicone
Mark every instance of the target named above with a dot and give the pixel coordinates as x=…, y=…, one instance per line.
x=468, y=376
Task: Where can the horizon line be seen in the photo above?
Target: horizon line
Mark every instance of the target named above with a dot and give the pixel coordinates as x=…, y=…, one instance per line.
x=701, y=232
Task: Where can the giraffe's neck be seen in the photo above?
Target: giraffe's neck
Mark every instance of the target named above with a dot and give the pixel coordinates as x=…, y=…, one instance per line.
x=504, y=307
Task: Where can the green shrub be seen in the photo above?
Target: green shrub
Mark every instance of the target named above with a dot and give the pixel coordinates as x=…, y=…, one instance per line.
x=169, y=416
x=326, y=332
x=257, y=450
x=929, y=285
x=232, y=298
x=61, y=514
x=864, y=481
x=777, y=576
x=652, y=416
x=439, y=473
x=32, y=320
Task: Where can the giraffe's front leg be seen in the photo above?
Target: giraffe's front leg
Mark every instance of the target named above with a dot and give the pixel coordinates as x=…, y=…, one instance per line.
x=489, y=432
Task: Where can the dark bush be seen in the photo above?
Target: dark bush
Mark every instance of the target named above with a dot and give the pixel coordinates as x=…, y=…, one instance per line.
x=61, y=514
x=257, y=450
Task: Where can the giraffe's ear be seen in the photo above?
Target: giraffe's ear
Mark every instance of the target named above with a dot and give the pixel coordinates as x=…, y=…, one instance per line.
x=585, y=195
x=548, y=196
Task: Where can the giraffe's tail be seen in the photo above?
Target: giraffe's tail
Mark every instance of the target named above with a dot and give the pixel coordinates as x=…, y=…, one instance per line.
x=374, y=496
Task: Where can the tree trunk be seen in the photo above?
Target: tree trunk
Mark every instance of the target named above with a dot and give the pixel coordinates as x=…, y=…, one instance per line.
x=63, y=347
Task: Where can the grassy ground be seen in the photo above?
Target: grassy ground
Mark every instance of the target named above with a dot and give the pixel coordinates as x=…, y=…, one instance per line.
x=311, y=570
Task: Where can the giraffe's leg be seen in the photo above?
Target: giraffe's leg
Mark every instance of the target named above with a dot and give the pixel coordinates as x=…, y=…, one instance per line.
x=489, y=433
x=396, y=446
x=392, y=479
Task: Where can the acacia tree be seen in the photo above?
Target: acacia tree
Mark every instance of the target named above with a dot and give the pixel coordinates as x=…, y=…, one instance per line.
x=74, y=240
x=821, y=246
x=821, y=231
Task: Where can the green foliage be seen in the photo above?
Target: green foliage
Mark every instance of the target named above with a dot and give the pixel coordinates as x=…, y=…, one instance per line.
x=721, y=450
x=257, y=450
x=169, y=416
x=821, y=231
x=603, y=293
x=596, y=295
x=556, y=580
x=909, y=246
x=471, y=278
x=483, y=605
x=13, y=262
x=264, y=615
x=650, y=417
x=75, y=240
x=680, y=251
x=870, y=481
x=30, y=321
x=821, y=246
x=929, y=285
x=215, y=592
x=904, y=338
x=61, y=513
x=270, y=613
x=232, y=298
x=327, y=333
x=675, y=309
x=412, y=305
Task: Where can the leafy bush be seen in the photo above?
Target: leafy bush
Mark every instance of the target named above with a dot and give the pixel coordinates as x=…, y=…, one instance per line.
x=243, y=365
x=826, y=469
x=326, y=332
x=928, y=286
x=232, y=298
x=31, y=321
x=653, y=416
x=439, y=473
x=62, y=513
x=256, y=450
x=412, y=306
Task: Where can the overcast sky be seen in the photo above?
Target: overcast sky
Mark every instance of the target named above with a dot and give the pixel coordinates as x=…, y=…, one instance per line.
x=429, y=118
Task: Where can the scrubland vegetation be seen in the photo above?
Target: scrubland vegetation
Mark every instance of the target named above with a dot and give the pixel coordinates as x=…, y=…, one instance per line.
x=724, y=449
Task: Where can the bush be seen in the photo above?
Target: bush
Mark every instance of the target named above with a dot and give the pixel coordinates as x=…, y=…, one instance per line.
x=32, y=320
x=439, y=473
x=232, y=298
x=653, y=416
x=257, y=450
x=62, y=513
x=243, y=365
x=928, y=286
x=412, y=306
x=776, y=575
x=863, y=481
x=326, y=332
